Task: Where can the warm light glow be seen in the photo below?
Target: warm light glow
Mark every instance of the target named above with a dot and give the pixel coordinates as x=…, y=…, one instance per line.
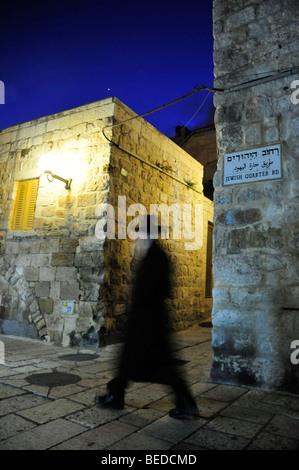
x=50, y=161
x=55, y=168
x=68, y=164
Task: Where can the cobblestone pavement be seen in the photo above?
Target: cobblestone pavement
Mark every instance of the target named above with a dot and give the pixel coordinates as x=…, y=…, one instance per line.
x=57, y=410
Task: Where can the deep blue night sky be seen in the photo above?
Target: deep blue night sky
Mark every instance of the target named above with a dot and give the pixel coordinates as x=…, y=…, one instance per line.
x=59, y=55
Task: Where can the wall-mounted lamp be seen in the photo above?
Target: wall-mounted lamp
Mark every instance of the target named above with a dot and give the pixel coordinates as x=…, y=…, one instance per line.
x=51, y=176
x=52, y=161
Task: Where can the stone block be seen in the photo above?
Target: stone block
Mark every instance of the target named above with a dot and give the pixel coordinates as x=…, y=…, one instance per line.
x=26, y=247
x=40, y=324
x=55, y=290
x=68, y=245
x=90, y=244
x=253, y=134
x=62, y=259
x=46, y=306
x=40, y=260
x=239, y=217
x=47, y=273
x=90, y=259
x=23, y=260
x=66, y=201
x=12, y=247
x=34, y=308
x=237, y=270
x=42, y=289
x=90, y=291
x=30, y=274
x=66, y=273
x=51, y=410
x=88, y=199
x=92, y=274
x=69, y=290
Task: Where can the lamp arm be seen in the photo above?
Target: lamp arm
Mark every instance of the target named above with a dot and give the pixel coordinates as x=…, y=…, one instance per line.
x=66, y=181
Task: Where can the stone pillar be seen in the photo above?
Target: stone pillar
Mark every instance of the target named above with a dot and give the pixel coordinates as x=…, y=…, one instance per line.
x=256, y=272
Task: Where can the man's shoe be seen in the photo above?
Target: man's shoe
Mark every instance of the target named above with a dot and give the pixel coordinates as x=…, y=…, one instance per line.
x=110, y=401
x=184, y=414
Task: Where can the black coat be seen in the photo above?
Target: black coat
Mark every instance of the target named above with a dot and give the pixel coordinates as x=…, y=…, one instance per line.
x=147, y=350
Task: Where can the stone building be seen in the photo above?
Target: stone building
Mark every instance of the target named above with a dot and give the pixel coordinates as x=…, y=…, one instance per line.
x=256, y=199
x=58, y=279
x=201, y=144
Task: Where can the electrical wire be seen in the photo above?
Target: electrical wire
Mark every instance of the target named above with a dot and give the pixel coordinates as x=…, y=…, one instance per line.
x=256, y=81
x=201, y=105
x=196, y=112
x=197, y=88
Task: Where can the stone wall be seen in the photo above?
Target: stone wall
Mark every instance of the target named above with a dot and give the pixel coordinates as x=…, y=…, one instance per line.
x=200, y=143
x=61, y=259
x=256, y=281
x=147, y=185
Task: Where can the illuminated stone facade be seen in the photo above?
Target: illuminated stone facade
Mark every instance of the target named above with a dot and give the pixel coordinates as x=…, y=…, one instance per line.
x=58, y=280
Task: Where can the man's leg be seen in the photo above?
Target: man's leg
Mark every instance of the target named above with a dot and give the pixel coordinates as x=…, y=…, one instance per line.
x=184, y=401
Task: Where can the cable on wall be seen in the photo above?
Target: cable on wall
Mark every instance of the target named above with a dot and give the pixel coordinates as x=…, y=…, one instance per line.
x=199, y=87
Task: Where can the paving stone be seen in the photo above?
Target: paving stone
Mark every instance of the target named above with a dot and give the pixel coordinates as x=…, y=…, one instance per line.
x=234, y=426
x=11, y=425
x=172, y=430
x=224, y=393
x=8, y=391
x=36, y=389
x=208, y=408
x=68, y=390
x=143, y=396
x=255, y=419
x=200, y=388
x=25, y=369
x=99, y=438
x=86, y=397
x=6, y=372
x=139, y=441
x=51, y=410
x=142, y=417
x=184, y=446
x=96, y=416
x=266, y=441
x=163, y=405
x=43, y=437
x=47, y=364
x=213, y=440
x=251, y=398
x=25, y=362
x=282, y=399
x=15, y=380
x=255, y=414
x=98, y=382
x=284, y=426
x=21, y=402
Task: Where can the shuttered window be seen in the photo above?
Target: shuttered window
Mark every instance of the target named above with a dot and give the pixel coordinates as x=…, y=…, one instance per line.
x=25, y=205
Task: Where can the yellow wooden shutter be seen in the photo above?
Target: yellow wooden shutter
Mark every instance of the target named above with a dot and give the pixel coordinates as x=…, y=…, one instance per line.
x=25, y=205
